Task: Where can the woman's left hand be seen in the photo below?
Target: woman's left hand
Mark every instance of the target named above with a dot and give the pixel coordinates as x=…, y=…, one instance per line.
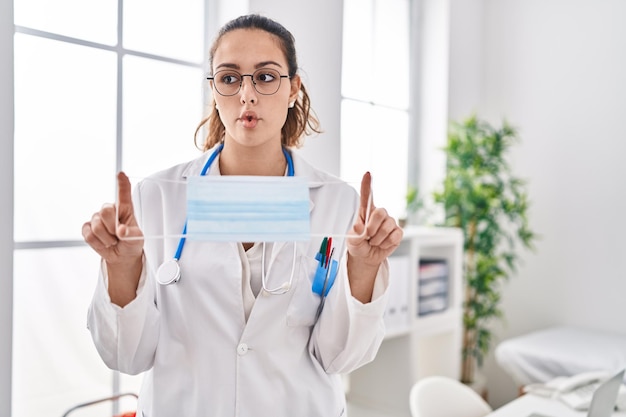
x=380, y=236
x=376, y=237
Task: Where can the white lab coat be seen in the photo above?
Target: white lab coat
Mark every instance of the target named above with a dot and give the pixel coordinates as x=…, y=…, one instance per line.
x=201, y=356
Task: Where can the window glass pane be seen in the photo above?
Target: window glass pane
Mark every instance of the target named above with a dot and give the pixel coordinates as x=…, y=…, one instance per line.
x=372, y=139
x=55, y=363
x=390, y=79
x=95, y=21
x=358, y=52
x=65, y=99
x=162, y=107
x=149, y=26
x=376, y=52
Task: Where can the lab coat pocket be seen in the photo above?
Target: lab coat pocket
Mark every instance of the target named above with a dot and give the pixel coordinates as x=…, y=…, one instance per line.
x=304, y=302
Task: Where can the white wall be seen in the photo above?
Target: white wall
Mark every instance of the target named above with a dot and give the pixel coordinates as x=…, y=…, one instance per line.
x=466, y=50
x=555, y=69
x=433, y=69
x=6, y=202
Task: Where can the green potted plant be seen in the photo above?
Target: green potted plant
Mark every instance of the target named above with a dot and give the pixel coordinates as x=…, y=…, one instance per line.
x=481, y=196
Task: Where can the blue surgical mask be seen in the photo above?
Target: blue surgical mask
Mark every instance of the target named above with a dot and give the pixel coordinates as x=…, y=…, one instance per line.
x=248, y=208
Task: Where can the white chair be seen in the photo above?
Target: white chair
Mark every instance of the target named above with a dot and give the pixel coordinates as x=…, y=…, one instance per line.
x=439, y=396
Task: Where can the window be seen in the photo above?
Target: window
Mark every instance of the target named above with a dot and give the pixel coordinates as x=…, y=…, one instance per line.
x=99, y=87
x=375, y=90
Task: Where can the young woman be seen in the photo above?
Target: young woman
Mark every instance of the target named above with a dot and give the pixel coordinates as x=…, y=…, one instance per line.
x=222, y=340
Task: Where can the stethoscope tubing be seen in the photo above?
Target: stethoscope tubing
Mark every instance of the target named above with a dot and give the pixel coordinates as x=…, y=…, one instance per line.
x=207, y=165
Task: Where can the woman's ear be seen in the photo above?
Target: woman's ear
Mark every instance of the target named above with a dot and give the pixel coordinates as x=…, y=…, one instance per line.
x=296, y=82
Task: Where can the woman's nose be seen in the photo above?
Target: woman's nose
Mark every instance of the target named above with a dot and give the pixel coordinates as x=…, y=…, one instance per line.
x=247, y=91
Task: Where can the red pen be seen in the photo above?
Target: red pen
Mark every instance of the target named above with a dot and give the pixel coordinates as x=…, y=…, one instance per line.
x=328, y=248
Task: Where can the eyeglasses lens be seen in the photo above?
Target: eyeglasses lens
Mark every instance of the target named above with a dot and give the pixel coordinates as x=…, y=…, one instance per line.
x=265, y=81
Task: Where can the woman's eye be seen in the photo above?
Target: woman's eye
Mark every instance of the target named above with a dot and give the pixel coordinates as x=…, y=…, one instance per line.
x=266, y=77
x=230, y=79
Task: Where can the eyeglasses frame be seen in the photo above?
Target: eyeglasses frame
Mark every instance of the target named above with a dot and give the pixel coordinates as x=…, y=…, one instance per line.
x=280, y=76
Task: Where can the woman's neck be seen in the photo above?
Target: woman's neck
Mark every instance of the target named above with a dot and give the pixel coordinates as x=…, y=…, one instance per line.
x=240, y=160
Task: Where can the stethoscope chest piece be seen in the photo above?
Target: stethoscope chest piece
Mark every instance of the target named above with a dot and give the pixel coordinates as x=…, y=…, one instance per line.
x=168, y=272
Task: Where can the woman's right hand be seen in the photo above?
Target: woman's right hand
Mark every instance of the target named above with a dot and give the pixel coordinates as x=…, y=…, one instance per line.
x=115, y=235
x=108, y=230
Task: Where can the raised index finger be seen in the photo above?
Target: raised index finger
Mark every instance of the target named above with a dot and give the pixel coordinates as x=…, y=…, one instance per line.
x=367, y=203
x=124, y=197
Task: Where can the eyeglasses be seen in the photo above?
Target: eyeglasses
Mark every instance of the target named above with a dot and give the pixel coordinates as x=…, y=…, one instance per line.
x=266, y=81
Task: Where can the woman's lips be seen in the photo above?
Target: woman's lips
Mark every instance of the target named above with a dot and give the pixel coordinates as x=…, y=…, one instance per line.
x=249, y=119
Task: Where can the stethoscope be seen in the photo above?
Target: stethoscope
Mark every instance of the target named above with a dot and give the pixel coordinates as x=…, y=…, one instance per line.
x=169, y=271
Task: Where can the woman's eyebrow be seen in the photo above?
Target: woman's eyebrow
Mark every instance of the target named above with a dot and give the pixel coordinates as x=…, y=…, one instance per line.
x=266, y=63
x=261, y=64
x=227, y=65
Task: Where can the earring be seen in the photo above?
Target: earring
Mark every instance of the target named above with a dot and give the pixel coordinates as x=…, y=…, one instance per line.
x=291, y=104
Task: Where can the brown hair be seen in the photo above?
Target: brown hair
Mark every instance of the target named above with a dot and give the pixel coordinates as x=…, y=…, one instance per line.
x=301, y=118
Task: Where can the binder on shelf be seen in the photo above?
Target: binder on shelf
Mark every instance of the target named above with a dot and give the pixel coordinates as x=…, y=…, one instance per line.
x=397, y=313
x=433, y=286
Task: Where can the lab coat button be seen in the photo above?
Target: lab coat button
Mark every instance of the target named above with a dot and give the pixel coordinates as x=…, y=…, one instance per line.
x=242, y=349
